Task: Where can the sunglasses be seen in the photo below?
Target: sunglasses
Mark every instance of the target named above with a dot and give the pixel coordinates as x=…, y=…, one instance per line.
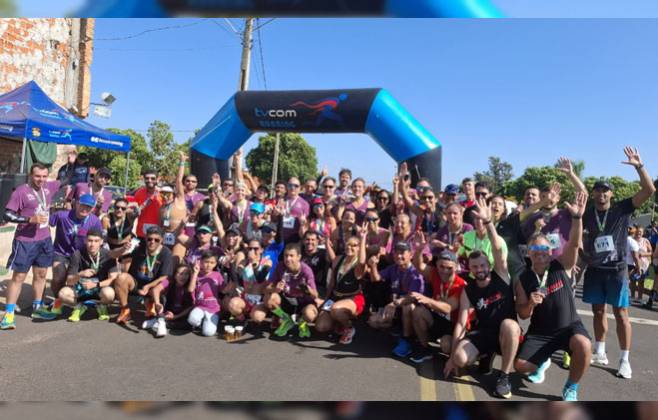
x=481, y=194
x=228, y=184
x=543, y=248
x=192, y=181
x=149, y=178
x=329, y=186
x=383, y=197
x=293, y=185
x=156, y=240
x=372, y=219
x=120, y=208
x=427, y=197
x=444, y=268
x=253, y=249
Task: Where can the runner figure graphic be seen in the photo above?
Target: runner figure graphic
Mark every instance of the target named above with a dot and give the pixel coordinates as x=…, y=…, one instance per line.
x=324, y=110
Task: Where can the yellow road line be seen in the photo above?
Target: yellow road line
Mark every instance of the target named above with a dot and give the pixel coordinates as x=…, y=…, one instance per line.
x=427, y=386
x=464, y=392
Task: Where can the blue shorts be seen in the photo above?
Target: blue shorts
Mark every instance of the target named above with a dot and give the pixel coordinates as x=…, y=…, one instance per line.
x=30, y=254
x=610, y=287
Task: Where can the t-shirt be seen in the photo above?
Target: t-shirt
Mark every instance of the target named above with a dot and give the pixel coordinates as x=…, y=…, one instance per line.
x=294, y=280
x=558, y=309
x=492, y=304
x=82, y=188
x=510, y=230
x=71, y=232
x=26, y=202
x=290, y=221
x=385, y=218
x=161, y=265
x=191, y=200
x=444, y=235
x=150, y=215
x=472, y=243
x=429, y=222
x=81, y=260
x=319, y=266
x=556, y=229
x=178, y=298
x=631, y=246
x=606, y=248
x=403, y=281
x=206, y=293
x=272, y=253
x=194, y=251
x=359, y=211
x=444, y=290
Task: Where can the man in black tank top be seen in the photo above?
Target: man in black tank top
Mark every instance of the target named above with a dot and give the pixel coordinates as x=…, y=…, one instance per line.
x=489, y=294
x=544, y=295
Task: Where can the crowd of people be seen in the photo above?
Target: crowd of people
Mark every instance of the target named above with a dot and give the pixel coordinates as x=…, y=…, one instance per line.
x=451, y=271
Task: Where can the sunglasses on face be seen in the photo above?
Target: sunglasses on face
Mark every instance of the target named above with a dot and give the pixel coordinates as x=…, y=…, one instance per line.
x=228, y=184
x=156, y=240
x=120, y=208
x=543, y=248
x=427, y=197
x=480, y=194
x=293, y=185
x=372, y=219
x=383, y=198
x=329, y=186
x=253, y=249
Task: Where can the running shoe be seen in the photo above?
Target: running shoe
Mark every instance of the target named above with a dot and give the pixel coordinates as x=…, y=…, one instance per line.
x=566, y=360
x=78, y=311
x=8, y=322
x=56, y=307
x=103, y=315
x=403, y=348
x=160, y=328
x=304, y=330
x=599, y=359
x=124, y=316
x=538, y=376
x=421, y=354
x=569, y=394
x=503, y=387
x=284, y=328
x=149, y=324
x=625, y=369
x=347, y=335
x=43, y=313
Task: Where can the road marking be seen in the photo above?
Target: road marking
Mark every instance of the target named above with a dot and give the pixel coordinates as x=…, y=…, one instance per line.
x=464, y=392
x=428, y=386
x=632, y=319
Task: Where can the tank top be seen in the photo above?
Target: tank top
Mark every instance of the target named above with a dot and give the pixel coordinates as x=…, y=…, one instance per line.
x=492, y=304
x=119, y=232
x=347, y=284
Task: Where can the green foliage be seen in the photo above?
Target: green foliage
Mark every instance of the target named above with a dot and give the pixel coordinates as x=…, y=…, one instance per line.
x=497, y=175
x=118, y=168
x=296, y=158
x=7, y=8
x=539, y=177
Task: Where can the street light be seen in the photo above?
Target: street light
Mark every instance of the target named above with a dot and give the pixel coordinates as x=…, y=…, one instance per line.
x=104, y=110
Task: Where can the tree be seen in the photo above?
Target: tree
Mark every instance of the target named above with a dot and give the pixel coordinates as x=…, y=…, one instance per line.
x=163, y=150
x=622, y=189
x=577, y=165
x=540, y=177
x=7, y=8
x=296, y=158
x=497, y=175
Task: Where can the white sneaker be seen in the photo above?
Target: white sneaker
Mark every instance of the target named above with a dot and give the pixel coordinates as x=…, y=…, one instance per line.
x=624, y=369
x=599, y=359
x=149, y=323
x=161, y=329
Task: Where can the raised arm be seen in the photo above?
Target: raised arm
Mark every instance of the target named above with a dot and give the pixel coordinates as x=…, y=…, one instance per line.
x=555, y=189
x=564, y=165
x=497, y=246
x=420, y=243
x=645, y=180
x=180, y=188
x=237, y=163
x=569, y=255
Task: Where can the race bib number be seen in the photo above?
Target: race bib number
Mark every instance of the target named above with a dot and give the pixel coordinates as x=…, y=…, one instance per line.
x=169, y=239
x=47, y=214
x=604, y=244
x=190, y=225
x=166, y=223
x=147, y=226
x=554, y=240
x=288, y=222
x=253, y=299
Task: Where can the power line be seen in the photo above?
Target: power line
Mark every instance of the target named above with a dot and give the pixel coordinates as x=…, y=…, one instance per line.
x=268, y=21
x=260, y=49
x=162, y=28
x=231, y=31
x=163, y=49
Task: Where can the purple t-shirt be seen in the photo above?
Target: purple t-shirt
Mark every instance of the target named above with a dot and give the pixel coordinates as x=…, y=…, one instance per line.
x=403, y=282
x=360, y=211
x=294, y=209
x=293, y=281
x=444, y=235
x=25, y=202
x=556, y=230
x=82, y=188
x=194, y=252
x=206, y=293
x=193, y=199
x=71, y=232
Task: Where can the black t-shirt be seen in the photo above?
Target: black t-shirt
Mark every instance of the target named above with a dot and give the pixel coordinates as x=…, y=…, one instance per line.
x=125, y=229
x=81, y=260
x=558, y=310
x=348, y=284
x=617, y=219
x=385, y=218
x=493, y=304
x=319, y=266
x=162, y=265
x=510, y=230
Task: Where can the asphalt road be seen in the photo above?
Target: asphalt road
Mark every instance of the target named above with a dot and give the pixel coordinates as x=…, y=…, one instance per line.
x=95, y=360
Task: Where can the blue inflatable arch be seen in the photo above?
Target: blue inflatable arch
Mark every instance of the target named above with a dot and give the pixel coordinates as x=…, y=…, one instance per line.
x=371, y=111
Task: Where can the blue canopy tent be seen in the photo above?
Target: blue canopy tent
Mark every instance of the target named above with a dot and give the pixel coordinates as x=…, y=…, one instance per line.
x=27, y=113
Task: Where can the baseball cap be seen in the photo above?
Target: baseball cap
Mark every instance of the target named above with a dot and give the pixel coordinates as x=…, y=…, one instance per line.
x=268, y=227
x=234, y=229
x=602, y=184
x=402, y=246
x=166, y=189
x=203, y=228
x=446, y=255
x=257, y=207
x=451, y=189
x=317, y=202
x=104, y=172
x=87, y=200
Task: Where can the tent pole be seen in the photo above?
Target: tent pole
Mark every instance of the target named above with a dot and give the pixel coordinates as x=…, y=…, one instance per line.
x=125, y=180
x=23, y=155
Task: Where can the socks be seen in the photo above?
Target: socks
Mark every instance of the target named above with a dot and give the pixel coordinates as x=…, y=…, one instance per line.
x=599, y=347
x=10, y=308
x=36, y=304
x=572, y=385
x=624, y=355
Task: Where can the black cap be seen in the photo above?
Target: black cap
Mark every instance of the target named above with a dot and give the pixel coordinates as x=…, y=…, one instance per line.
x=268, y=227
x=402, y=246
x=602, y=184
x=446, y=255
x=104, y=172
x=234, y=228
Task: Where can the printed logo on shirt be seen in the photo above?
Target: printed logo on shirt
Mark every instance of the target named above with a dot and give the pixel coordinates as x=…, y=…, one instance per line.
x=484, y=303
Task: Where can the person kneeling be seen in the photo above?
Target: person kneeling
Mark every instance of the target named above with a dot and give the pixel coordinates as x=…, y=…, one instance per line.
x=205, y=286
x=90, y=275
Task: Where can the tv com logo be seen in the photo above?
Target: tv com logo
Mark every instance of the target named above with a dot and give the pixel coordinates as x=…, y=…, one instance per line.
x=276, y=118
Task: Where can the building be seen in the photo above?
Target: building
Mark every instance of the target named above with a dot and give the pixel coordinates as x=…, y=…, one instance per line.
x=57, y=54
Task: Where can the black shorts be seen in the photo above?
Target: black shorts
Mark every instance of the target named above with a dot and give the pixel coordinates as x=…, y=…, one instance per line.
x=538, y=348
x=290, y=308
x=486, y=340
x=62, y=259
x=440, y=326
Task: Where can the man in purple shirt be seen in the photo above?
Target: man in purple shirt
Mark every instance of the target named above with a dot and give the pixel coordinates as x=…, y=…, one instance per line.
x=192, y=198
x=29, y=207
x=292, y=290
x=295, y=207
x=102, y=196
x=403, y=279
x=71, y=227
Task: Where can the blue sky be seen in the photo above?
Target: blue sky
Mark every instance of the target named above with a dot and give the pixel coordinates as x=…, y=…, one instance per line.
x=512, y=8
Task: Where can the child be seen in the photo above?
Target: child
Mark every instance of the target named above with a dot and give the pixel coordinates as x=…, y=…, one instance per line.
x=178, y=302
x=205, y=286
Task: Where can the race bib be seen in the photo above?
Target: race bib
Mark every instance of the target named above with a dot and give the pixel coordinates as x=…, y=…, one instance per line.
x=554, y=240
x=253, y=299
x=147, y=226
x=288, y=222
x=190, y=225
x=169, y=239
x=47, y=214
x=166, y=223
x=604, y=244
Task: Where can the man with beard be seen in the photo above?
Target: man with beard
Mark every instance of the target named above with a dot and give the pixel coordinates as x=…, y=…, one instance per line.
x=319, y=259
x=149, y=202
x=102, y=196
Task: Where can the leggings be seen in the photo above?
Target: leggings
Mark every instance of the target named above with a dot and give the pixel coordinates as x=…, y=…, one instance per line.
x=204, y=319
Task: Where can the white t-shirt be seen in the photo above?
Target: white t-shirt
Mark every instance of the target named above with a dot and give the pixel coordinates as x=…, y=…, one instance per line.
x=631, y=246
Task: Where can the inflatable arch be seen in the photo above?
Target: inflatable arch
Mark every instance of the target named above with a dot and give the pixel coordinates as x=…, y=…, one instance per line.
x=371, y=111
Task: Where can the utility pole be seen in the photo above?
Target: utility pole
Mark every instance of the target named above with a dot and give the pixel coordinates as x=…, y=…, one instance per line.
x=275, y=164
x=245, y=63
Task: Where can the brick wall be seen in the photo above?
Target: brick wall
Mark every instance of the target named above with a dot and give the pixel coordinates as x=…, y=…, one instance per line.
x=57, y=54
